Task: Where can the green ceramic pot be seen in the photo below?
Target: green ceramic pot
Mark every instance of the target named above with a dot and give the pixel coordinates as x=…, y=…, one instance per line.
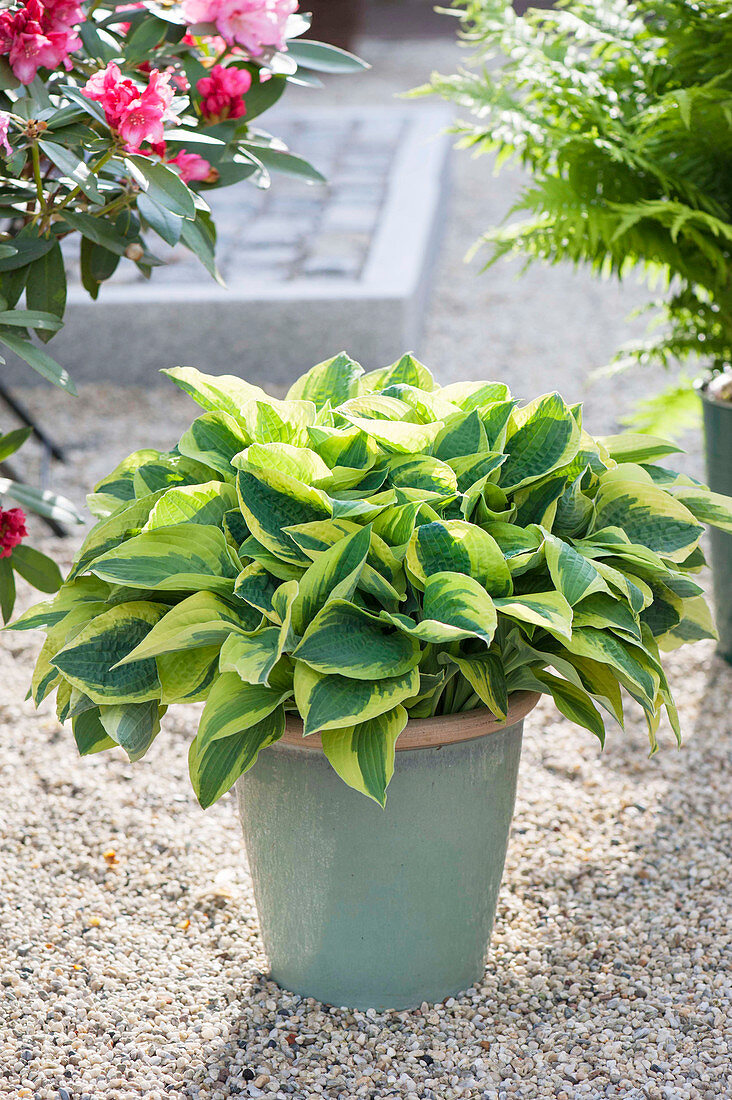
x=718, y=440
x=368, y=908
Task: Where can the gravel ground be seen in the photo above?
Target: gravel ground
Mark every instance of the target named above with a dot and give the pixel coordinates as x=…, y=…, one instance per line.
x=130, y=958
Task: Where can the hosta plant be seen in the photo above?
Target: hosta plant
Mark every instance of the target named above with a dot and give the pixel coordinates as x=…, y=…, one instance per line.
x=622, y=115
x=371, y=549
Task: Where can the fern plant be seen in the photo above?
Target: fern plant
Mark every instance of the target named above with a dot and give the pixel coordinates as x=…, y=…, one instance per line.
x=622, y=114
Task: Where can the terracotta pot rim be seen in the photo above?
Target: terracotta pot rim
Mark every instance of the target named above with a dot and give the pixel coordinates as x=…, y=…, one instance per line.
x=432, y=733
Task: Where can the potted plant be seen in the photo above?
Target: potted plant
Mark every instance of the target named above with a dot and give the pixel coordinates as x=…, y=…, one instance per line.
x=622, y=115
x=374, y=564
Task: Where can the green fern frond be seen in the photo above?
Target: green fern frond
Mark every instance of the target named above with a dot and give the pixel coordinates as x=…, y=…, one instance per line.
x=622, y=114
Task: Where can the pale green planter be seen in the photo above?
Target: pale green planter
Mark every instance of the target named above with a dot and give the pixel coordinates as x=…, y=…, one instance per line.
x=718, y=439
x=385, y=909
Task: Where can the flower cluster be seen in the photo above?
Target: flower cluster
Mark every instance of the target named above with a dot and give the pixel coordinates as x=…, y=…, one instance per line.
x=222, y=93
x=136, y=114
x=12, y=530
x=253, y=24
x=39, y=36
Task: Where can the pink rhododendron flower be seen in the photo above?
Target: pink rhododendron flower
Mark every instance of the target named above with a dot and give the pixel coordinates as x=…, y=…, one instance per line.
x=143, y=119
x=4, y=127
x=12, y=530
x=252, y=24
x=59, y=15
x=137, y=115
x=39, y=36
x=114, y=92
x=191, y=166
x=223, y=93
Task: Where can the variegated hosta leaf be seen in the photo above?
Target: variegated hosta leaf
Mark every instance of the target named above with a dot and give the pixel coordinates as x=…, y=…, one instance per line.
x=459, y=601
x=203, y=619
x=602, y=610
x=344, y=448
x=544, y=435
x=473, y=395
x=216, y=765
x=406, y=370
x=251, y=656
x=549, y=610
x=458, y=547
x=472, y=468
x=206, y=503
x=278, y=421
x=70, y=597
x=573, y=702
x=172, y=559
x=334, y=574
x=635, y=591
x=573, y=575
x=637, y=448
x=272, y=501
x=395, y=436
x=132, y=726
x=422, y=472
x=649, y=516
x=89, y=733
x=328, y=702
x=695, y=624
x=602, y=646
x=363, y=754
x=234, y=705
x=381, y=562
x=335, y=381
x=89, y=660
x=117, y=488
x=187, y=676
x=597, y=679
x=110, y=532
x=705, y=506
x=298, y=462
x=462, y=435
x=168, y=471
x=214, y=439
x=225, y=392
x=396, y=524
x=344, y=639
x=256, y=586
x=574, y=511
x=484, y=672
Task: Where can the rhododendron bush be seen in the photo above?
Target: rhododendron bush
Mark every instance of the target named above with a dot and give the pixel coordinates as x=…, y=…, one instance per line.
x=115, y=122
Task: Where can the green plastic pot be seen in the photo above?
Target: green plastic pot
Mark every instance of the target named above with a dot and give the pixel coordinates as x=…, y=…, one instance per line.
x=361, y=907
x=718, y=446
